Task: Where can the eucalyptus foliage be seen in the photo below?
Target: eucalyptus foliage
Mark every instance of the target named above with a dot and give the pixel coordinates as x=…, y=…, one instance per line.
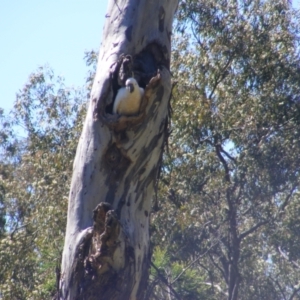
x=229, y=194
x=38, y=142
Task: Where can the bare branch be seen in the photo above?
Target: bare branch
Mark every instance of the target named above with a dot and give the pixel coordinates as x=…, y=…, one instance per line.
x=165, y=281
x=288, y=197
x=216, y=286
x=190, y=264
x=252, y=229
x=223, y=161
x=220, y=77
x=280, y=288
x=287, y=258
x=295, y=293
x=223, y=272
x=17, y=228
x=227, y=154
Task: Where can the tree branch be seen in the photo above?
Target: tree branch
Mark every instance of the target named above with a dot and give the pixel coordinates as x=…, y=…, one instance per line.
x=294, y=293
x=286, y=258
x=190, y=264
x=280, y=288
x=223, y=161
x=216, y=286
x=288, y=197
x=165, y=281
x=220, y=77
x=227, y=154
x=252, y=229
x=223, y=272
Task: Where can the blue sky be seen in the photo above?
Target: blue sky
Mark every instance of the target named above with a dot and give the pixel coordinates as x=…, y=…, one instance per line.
x=54, y=32
x=38, y=32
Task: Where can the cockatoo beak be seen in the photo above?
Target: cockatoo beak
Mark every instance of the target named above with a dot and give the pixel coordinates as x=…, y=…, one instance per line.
x=130, y=87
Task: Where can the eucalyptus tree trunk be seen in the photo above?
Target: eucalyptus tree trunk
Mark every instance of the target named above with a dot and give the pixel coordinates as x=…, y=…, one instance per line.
x=106, y=252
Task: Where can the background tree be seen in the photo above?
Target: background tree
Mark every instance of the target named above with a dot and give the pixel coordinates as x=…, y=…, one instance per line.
x=37, y=148
x=229, y=190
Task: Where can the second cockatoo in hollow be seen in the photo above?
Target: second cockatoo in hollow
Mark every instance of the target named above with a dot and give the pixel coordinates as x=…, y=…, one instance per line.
x=128, y=99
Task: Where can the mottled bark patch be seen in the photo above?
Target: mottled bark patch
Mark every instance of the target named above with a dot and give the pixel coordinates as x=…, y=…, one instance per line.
x=115, y=163
x=114, y=158
x=98, y=273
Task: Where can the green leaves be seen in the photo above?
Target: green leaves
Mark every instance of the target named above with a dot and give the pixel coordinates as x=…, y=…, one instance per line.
x=233, y=158
x=39, y=140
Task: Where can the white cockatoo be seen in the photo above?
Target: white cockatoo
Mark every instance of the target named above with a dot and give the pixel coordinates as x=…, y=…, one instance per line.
x=128, y=99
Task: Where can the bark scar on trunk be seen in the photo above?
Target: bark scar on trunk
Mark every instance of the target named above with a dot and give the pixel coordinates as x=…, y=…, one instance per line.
x=105, y=240
x=102, y=256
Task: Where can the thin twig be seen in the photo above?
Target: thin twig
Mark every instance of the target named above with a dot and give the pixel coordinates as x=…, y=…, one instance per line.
x=286, y=258
x=165, y=281
x=190, y=264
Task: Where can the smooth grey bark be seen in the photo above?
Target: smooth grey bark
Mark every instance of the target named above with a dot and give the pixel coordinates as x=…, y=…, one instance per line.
x=106, y=252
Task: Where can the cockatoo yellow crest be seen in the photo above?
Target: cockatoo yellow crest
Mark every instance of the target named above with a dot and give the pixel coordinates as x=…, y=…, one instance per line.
x=128, y=99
